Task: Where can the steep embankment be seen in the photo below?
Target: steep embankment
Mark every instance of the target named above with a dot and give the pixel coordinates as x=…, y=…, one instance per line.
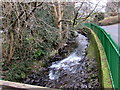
x=110, y=20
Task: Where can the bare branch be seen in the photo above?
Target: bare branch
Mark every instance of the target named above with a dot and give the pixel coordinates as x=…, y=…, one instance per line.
x=22, y=13
x=91, y=12
x=74, y=20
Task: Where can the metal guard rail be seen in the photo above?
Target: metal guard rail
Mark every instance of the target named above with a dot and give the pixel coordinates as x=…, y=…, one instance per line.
x=111, y=51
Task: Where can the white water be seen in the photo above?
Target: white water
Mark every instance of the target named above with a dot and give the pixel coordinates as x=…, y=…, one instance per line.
x=68, y=63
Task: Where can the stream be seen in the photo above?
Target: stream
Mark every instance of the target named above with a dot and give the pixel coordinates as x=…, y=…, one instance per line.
x=71, y=64
x=75, y=71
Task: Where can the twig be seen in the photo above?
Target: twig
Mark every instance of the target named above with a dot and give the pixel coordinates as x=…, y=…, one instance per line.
x=74, y=20
x=91, y=12
x=22, y=13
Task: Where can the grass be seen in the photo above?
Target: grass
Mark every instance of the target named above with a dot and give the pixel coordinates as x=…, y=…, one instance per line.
x=110, y=20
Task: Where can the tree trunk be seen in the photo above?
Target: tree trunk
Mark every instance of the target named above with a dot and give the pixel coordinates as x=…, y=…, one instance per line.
x=60, y=18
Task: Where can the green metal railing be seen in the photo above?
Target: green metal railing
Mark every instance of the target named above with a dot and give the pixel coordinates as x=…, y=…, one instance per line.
x=111, y=51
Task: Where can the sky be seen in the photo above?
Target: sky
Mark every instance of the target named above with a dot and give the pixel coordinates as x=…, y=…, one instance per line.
x=100, y=4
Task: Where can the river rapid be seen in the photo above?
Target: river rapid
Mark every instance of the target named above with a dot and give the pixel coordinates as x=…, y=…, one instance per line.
x=71, y=64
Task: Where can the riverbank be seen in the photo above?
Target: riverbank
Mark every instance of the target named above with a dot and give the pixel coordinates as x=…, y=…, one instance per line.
x=86, y=70
x=110, y=20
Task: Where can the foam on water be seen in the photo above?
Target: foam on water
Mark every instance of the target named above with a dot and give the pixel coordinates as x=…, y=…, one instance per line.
x=73, y=59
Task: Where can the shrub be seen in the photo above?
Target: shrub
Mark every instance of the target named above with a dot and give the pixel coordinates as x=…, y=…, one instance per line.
x=99, y=16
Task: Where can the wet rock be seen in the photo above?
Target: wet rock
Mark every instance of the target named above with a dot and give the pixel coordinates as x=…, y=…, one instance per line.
x=56, y=58
x=43, y=69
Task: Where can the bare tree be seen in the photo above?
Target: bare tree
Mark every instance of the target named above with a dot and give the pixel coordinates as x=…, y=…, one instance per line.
x=15, y=21
x=83, y=12
x=112, y=6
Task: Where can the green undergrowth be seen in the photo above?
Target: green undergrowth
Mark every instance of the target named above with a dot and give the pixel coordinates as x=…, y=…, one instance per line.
x=19, y=69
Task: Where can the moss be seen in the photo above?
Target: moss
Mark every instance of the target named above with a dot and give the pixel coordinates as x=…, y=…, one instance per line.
x=91, y=48
x=106, y=80
x=95, y=50
x=93, y=53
